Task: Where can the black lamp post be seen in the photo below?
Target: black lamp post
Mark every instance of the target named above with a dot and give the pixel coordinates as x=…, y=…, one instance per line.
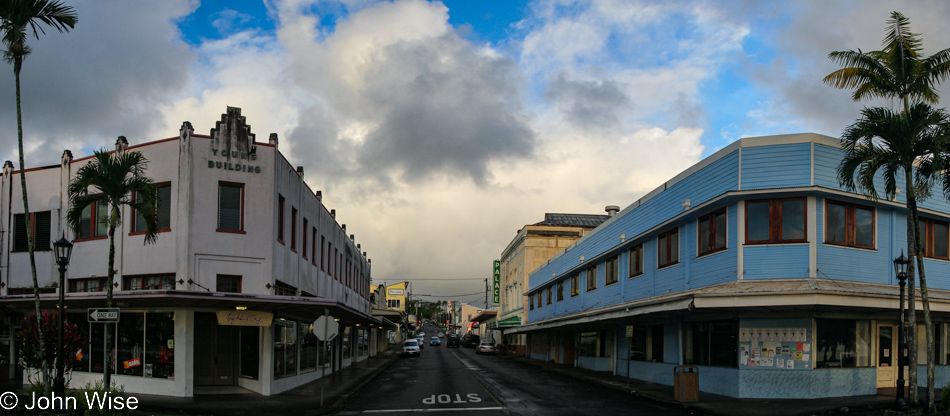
x=63, y=249
x=900, y=268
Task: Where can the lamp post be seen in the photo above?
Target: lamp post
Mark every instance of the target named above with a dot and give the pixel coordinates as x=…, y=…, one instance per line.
x=63, y=249
x=900, y=268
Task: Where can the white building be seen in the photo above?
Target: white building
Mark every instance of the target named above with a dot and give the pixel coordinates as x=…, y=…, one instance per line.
x=247, y=258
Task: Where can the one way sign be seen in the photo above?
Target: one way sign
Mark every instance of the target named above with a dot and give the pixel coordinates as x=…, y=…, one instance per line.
x=104, y=315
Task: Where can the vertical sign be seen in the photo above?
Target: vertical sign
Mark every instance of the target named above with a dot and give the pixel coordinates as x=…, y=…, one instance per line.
x=496, y=278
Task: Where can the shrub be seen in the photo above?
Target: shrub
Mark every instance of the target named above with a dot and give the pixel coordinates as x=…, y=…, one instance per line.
x=91, y=406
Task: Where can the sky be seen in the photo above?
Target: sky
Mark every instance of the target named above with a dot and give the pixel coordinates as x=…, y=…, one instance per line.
x=437, y=130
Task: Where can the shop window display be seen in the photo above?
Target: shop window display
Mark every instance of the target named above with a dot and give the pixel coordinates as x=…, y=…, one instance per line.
x=285, y=347
x=159, y=345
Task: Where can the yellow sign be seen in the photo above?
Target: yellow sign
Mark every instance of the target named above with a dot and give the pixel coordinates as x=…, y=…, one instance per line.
x=245, y=318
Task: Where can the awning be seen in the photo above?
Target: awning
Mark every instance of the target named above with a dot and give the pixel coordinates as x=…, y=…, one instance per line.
x=509, y=322
x=300, y=307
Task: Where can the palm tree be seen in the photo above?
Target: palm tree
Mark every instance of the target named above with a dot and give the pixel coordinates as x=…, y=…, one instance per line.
x=117, y=178
x=16, y=16
x=900, y=71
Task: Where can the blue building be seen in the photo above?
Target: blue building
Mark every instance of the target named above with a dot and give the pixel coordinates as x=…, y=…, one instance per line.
x=753, y=265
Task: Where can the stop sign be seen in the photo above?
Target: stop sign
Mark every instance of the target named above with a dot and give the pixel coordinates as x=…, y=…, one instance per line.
x=325, y=328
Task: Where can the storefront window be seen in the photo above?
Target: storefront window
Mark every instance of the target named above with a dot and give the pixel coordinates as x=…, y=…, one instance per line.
x=285, y=347
x=130, y=341
x=160, y=345
x=587, y=345
x=712, y=343
x=842, y=343
x=647, y=343
x=348, y=342
x=309, y=349
x=250, y=351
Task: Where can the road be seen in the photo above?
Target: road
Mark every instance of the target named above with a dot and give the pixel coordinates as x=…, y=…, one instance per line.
x=453, y=381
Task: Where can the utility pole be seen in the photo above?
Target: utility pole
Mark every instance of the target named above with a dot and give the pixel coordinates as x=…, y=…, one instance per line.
x=486, y=294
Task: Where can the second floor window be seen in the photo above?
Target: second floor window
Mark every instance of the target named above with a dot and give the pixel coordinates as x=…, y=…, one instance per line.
x=612, y=274
x=549, y=291
x=636, y=261
x=94, y=221
x=575, y=285
x=560, y=290
x=149, y=282
x=230, y=207
x=668, y=248
x=849, y=224
x=293, y=228
x=775, y=221
x=712, y=232
x=592, y=278
x=280, y=219
x=228, y=283
x=163, y=210
x=933, y=238
x=40, y=222
x=92, y=284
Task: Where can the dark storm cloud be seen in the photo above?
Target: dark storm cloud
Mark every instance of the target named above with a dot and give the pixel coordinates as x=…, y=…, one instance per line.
x=588, y=104
x=436, y=107
x=103, y=79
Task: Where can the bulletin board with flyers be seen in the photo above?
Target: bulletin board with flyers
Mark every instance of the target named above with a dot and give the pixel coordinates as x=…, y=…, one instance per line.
x=775, y=348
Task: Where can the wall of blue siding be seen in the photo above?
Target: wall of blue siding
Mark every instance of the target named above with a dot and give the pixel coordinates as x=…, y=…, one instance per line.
x=779, y=261
x=776, y=166
x=719, y=267
x=854, y=264
x=807, y=384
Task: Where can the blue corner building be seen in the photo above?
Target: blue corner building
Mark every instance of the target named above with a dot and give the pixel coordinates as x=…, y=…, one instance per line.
x=756, y=267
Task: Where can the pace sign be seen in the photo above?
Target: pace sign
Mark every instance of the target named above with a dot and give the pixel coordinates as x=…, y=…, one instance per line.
x=496, y=278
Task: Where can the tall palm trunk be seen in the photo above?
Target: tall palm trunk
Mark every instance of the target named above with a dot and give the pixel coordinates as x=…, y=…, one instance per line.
x=925, y=299
x=910, y=337
x=111, y=275
x=17, y=64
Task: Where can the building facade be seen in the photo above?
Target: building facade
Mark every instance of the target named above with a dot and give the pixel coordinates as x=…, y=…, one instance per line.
x=753, y=265
x=247, y=258
x=533, y=245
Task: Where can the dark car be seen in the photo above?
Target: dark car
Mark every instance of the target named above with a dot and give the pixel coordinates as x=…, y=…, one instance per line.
x=453, y=341
x=470, y=341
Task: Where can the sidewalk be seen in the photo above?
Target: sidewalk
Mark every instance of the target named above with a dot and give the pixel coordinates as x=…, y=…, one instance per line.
x=335, y=389
x=713, y=404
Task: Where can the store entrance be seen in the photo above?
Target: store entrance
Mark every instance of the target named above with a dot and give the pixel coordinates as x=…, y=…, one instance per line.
x=216, y=352
x=887, y=355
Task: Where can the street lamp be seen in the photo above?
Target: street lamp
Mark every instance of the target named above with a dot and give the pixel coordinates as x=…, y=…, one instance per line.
x=63, y=249
x=900, y=268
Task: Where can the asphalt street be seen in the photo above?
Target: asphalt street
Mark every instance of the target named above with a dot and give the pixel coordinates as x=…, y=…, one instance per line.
x=454, y=381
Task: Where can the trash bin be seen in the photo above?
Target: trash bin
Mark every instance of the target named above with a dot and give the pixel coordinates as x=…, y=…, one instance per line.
x=686, y=383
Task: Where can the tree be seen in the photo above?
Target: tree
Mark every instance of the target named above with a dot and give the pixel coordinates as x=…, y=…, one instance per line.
x=16, y=17
x=900, y=71
x=33, y=355
x=118, y=179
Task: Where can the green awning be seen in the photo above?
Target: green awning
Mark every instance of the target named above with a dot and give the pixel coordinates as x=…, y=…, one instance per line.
x=510, y=322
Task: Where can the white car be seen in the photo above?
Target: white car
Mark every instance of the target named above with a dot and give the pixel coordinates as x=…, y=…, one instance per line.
x=411, y=348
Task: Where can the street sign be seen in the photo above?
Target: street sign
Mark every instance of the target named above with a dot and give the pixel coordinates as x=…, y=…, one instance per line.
x=326, y=328
x=103, y=315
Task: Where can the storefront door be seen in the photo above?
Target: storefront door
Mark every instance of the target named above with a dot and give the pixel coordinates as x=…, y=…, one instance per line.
x=215, y=352
x=886, y=355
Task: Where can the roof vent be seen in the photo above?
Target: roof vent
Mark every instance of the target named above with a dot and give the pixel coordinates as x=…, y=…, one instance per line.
x=300, y=171
x=612, y=210
x=121, y=143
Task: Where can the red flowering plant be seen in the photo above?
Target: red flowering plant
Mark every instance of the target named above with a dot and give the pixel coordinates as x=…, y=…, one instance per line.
x=30, y=356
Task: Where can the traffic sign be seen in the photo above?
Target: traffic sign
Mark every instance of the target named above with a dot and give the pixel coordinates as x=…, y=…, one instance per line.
x=326, y=328
x=103, y=315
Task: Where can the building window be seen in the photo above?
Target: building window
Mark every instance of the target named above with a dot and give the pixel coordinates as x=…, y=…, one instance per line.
x=712, y=232
x=323, y=257
x=647, y=343
x=560, y=291
x=540, y=300
x=91, y=284
x=592, y=278
x=933, y=237
x=843, y=343
x=163, y=210
x=149, y=282
x=313, y=247
x=575, y=284
x=636, y=261
x=280, y=218
x=230, y=207
x=668, y=248
x=285, y=347
x=549, y=292
x=849, y=224
x=531, y=302
x=775, y=221
x=304, y=236
x=712, y=343
x=40, y=222
x=613, y=273
x=228, y=283
x=283, y=289
x=293, y=229
x=94, y=220
x=394, y=303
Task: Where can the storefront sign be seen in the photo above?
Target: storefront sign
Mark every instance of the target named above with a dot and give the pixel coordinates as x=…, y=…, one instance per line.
x=496, y=279
x=245, y=318
x=397, y=292
x=135, y=362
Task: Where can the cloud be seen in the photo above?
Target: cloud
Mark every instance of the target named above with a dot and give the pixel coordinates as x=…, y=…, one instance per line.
x=589, y=104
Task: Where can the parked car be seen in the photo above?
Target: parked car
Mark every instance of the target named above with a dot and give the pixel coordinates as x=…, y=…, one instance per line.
x=453, y=341
x=485, y=348
x=411, y=348
x=421, y=340
x=470, y=341
x=435, y=341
